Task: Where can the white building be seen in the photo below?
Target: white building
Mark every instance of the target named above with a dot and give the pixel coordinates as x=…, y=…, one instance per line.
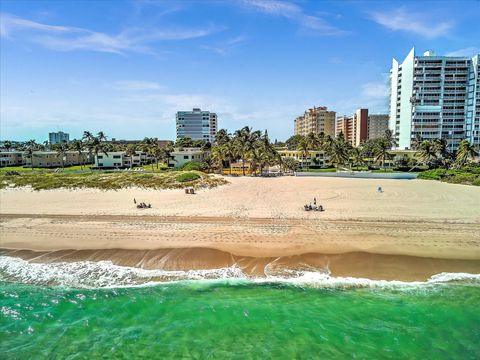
x=181, y=156
x=119, y=160
x=435, y=97
x=196, y=125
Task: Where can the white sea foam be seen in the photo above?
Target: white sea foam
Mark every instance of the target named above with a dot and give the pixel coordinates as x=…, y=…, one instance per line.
x=102, y=274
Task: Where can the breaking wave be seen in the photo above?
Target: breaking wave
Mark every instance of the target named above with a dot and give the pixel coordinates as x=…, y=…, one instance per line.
x=105, y=274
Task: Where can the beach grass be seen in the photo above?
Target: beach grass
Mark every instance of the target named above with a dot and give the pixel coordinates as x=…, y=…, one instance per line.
x=104, y=180
x=468, y=175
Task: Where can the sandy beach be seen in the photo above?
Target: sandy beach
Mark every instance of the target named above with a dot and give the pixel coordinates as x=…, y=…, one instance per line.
x=253, y=217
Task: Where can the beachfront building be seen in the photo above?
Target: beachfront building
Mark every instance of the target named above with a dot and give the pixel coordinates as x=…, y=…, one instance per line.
x=196, y=125
x=377, y=126
x=58, y=138
x=180, y=156
x=435, y=97
x=11, y=158
x=315, y=120
x=120, y=160
x=311, y=158
x=52, y=159
x=361, y=126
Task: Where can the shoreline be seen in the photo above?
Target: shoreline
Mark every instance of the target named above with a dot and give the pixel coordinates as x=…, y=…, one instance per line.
x=354, y=264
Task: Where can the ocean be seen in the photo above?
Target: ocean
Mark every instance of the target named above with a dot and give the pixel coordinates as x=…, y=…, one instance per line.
x=88, y=310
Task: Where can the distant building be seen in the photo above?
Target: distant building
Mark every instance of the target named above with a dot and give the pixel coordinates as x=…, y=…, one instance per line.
x=435, y=97
x=160, y=143
x=58, y=138
x=377, y=126
x=361, y=126
x=197, y=125
x=315, y=120
x=11, y=158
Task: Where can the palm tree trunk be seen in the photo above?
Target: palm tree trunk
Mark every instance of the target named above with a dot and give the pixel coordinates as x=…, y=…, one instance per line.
x=243, y=165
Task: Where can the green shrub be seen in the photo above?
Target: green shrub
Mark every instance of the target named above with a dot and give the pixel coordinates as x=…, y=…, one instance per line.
x=192, y=165
x=186, y=177
x=12, y=173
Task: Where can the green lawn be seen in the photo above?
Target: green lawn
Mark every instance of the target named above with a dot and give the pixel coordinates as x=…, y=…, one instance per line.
x=104, y=180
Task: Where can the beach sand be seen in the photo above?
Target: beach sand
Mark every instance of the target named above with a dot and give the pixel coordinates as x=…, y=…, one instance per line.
x=259, y=218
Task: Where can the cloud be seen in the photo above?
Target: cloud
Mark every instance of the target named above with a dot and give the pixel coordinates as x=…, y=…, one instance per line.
x=375, y=90
x=295, y=13
x=417, y=23
x=226, y=46
x=136, y=85
x=64, y=38
x=469, y=51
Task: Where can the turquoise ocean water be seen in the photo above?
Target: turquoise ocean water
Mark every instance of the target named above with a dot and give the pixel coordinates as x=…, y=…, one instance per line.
x=56, y=312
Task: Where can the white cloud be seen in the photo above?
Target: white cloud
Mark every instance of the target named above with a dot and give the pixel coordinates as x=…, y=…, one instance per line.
x=64, y=38
x=226, y=46
x=375, y=90
x=418, y=23
x=293, y=12
x=469, y=51
x=136, y=85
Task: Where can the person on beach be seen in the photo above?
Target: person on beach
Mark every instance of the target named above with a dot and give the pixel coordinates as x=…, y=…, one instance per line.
x=135, y=201
x=314, y=201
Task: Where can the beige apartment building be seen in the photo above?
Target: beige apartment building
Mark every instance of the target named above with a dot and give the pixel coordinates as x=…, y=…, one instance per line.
x=51, y=159
x=316, y=120
x=11, y=158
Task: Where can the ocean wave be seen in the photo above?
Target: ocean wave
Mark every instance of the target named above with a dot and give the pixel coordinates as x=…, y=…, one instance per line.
x=105, y=274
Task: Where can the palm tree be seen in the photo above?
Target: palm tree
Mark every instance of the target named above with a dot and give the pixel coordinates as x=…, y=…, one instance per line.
x=357, y=156
x=222, y=137
x=338, y=151
x=31, y=147
x=313, y=141
x=244, y=141
x=389, y=138
x=303, y=147
x=95, y=147
x=7, y=145
x=465, y=152
x=417, y=142
x=131, y=152
x=61, y=150
x=101, y=136
x=219, y=155
x=427, y=152
x=87, y=135
x=77, y=145
x=382, y=145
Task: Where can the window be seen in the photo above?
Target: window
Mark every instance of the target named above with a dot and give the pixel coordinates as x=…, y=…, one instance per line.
x=185, y=156
x=116, y=156
x=99, y=156
x=100, y=164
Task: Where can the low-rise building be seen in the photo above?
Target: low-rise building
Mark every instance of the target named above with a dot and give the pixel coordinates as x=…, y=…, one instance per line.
x=120, y=160
x=180, y=156
x=312, y=158
x=52, y=159
x=11, y=158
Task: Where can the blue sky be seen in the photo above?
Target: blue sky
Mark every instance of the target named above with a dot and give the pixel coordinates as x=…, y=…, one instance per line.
x=126, y=67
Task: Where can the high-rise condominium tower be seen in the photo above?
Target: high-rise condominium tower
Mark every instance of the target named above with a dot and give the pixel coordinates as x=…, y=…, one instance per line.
x=197, y=125
x=316, y=120
x=435, y=97
x=58, y=137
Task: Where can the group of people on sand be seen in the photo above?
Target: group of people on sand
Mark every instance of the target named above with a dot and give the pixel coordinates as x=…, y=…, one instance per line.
x=314, y=207
x=142, y=205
